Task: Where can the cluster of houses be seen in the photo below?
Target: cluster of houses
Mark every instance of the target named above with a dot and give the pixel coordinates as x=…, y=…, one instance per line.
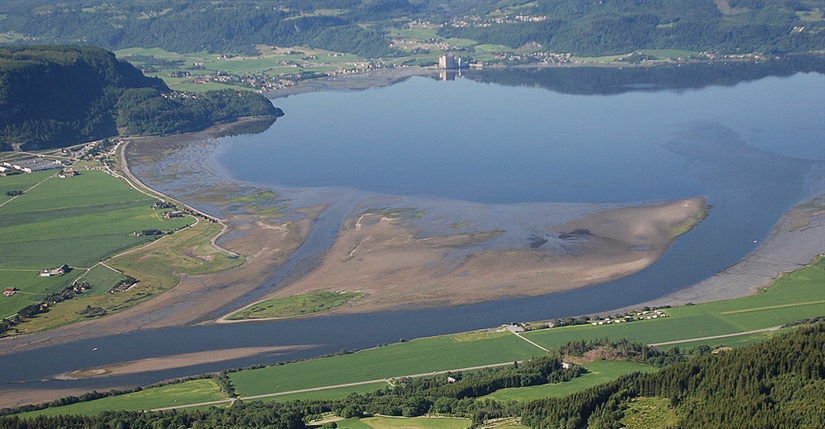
x=160, y=205
x=630, y=317
x=30, y=165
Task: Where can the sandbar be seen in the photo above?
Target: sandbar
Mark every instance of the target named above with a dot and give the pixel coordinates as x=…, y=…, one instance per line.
x=389, y=259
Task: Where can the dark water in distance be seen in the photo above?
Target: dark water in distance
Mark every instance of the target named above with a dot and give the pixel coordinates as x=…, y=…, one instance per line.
x=753, y=149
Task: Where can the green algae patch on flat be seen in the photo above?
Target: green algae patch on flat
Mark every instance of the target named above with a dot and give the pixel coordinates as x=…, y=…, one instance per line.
x=296, y=305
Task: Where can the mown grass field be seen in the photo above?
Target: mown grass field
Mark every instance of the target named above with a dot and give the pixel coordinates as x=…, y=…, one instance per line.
x=415, y=422
x=204, y=390
x=395, y=360
x=598, y=372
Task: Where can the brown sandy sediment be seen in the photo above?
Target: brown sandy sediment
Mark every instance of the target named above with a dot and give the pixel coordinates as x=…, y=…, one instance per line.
x=797, y=238
x=382, y=257
x=174, y=361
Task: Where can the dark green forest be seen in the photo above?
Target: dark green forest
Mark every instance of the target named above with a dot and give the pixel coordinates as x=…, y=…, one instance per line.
x=361, y=26
x=55, y=96
x=778, y=383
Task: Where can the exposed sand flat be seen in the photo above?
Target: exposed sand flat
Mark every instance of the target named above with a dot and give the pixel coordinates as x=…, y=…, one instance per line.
x=796, y=239
x=174, y=361
x=385, y=258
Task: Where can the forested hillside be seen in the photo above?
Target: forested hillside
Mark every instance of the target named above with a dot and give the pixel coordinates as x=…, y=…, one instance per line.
x=778, y=383
x=365, y=27
x=55, y=96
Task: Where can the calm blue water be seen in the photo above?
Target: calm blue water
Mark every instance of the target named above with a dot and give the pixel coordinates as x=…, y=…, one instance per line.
x=494, y=144
x=754, y=150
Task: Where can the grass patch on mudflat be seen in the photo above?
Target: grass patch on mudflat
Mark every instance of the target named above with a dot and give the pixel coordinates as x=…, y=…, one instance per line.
x=296, y=305
x=187, y=251
x=194, y=391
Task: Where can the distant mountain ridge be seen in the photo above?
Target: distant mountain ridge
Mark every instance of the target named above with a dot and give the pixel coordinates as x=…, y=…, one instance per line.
x=367, y=28
x=56, y=96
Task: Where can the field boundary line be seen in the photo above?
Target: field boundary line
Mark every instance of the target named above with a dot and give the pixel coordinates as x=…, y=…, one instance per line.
x=27, y=190
x=772, y=307
x=713, y=337
x=530, y=341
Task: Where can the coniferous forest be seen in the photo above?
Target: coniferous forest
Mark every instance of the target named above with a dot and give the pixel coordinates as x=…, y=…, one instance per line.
x=779, y=383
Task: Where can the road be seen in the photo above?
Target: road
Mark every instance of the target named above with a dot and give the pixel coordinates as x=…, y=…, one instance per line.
x=713, y=337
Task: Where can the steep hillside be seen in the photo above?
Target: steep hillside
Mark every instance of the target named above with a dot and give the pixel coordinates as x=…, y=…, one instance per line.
x=55, y=96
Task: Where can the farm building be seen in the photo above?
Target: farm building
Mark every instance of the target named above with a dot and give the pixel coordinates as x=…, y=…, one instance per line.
x=59, y=271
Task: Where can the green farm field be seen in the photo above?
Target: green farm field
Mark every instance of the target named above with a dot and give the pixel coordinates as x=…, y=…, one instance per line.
x=416, y=422
x=395, y=360
x=796, y=295
x=204, y=390
x=76, y=221
x=598, y=372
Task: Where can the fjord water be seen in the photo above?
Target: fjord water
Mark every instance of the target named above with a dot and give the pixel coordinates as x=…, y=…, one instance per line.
x=490, y=143
x=753, y=149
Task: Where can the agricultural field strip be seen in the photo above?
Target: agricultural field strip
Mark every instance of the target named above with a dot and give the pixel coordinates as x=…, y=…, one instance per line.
x=772, y=307
x=337, y=386
x=389, y=380
x=27, y=190
x=530, y=341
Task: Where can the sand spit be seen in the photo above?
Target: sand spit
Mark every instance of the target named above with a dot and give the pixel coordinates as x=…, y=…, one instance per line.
x=389, y=259
x=175, y=361
x=797, y=238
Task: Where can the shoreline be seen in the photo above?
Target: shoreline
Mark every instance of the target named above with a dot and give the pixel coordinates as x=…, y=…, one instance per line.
x=797, y=238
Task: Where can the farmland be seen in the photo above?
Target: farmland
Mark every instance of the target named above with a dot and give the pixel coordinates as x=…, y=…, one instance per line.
x=794, y=296
x=77, y=221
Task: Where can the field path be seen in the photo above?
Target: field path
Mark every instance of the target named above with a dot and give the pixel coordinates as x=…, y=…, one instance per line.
x=142, y=187
x=27, y=190
x=713, y=337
